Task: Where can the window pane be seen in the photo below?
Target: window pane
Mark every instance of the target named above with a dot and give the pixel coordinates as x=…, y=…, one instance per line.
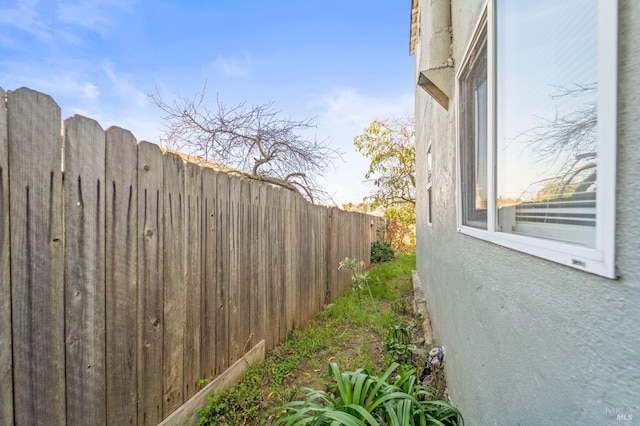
x=473, y=137
x=546, y=148
x=429, y=166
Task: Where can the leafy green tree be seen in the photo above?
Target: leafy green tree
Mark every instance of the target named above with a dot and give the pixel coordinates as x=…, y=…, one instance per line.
x=390, y=146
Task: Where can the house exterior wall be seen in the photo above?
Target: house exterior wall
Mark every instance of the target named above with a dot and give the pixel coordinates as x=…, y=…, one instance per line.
x=530, y=341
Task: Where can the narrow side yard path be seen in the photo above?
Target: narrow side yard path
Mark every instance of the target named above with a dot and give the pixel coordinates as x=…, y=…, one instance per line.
x=350, y=332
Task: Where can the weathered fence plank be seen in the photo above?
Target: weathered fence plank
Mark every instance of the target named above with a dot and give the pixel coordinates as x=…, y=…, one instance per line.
x=245, y=308
x=282, y=219
x=6, y=364
x=332, y=257
x=150, y=283
x=259, y=302
x=235, y=317
x=223, y=273
x=174, y=283
x=273, y=255
x=84, y=224
x=192, y=283
x=209, y=300
x=121, y=284
x=289, y=278
x=37, y=263
x=304, y=271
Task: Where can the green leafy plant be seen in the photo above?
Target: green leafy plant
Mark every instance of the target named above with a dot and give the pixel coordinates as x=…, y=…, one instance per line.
x=381, y=251
x=359, y=278
x=358, y=398
x=398, y=344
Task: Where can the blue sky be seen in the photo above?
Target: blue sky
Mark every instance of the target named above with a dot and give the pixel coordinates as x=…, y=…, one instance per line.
x=344, y=62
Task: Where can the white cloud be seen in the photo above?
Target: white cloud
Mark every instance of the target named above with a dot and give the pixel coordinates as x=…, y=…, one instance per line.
x=73, y=85
x=124, y=86
x=342, y=114
x=25, y=17
x=94, y=15
x=236, y=68
x=346, y=108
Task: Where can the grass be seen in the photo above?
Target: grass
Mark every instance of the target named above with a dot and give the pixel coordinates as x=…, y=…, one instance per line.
x=349, y=332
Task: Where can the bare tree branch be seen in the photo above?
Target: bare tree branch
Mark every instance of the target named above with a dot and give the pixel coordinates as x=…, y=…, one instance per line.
x=565, y=137
x=254, y=140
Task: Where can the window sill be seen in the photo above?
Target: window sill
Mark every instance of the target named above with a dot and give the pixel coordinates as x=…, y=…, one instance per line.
x=580, y=258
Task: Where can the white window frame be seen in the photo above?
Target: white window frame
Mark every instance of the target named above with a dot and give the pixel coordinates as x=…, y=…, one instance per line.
x=599, y=260
x=429, y=185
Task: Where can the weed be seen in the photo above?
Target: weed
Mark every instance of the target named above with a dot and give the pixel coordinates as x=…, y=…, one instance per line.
x=398, y=344
x=401, y=307
x=359, y=278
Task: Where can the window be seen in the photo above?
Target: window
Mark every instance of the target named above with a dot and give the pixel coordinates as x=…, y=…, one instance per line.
x=429, y=184
x=473, y=153
x=536, y=99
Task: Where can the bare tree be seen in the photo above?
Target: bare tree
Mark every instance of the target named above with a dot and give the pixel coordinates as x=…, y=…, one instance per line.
x=254, y=142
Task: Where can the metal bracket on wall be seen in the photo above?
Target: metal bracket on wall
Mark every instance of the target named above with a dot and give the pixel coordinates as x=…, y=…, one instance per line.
x=438, y=82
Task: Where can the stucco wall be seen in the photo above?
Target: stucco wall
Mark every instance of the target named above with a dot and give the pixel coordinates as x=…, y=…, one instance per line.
x=530, y=341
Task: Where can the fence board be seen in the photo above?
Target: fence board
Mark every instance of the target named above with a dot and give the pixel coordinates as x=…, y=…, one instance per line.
x=245, y=308
x=262, y=259
x=223, y=264
x=321, y=256
x=275, y=301
x=282, y=219
x=6, y=365
x=257, y=268
x=37, y=267
x=193, y=296
x=303, y=260
x=289, y=228
x=173, y=338
x=209, y=301
x=121, y=284
x=84, y=162
x=150, y=283
x=234, y=315
x=332, y=261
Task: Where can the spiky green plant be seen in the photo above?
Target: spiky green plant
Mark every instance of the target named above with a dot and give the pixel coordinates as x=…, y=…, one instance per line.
x=358, y=398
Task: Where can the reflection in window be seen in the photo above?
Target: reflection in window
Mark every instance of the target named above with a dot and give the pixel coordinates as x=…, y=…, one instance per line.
x=473, y=135
x=546, y=119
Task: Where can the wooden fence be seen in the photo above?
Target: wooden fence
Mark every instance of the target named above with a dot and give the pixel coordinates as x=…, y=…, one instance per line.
x=130, y=275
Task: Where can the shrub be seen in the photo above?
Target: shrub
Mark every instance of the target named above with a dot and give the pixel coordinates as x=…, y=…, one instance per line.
x=381, y=251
